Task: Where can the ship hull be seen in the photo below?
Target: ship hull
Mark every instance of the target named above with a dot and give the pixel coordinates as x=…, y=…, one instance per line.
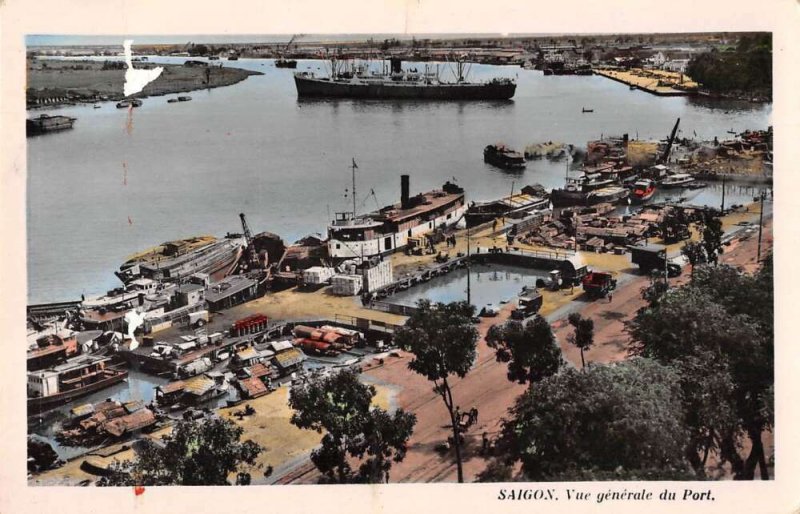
x=563, y=198
x=311, y=87
x=36, y=405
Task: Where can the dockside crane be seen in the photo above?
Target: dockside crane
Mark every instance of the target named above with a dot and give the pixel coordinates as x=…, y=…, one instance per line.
x=252, y=257
x=665, y=155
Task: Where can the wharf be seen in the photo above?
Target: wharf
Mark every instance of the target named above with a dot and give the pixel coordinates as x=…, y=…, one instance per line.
x=653, y=84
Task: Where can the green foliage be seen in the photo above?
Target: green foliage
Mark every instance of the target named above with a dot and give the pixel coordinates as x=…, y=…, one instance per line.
x=442, y=339
x=202, y=452
x=583, y=337
x=621, y=417
x=444, y=343
x=694, y=252
x=340, y=405
x=712, y=239
x=530, y=350
x=718, y=333
x=196, y=50
x=746, y=69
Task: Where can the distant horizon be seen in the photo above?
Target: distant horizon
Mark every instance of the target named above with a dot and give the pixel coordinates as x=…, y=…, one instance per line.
x=46, y=40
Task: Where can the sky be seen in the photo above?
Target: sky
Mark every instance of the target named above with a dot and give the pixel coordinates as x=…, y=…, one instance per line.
x=78, y=40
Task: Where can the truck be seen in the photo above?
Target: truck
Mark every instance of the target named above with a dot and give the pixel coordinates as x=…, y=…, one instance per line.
x=198, y=319
x=651, y=258
x=529, y=303
x=598, y=284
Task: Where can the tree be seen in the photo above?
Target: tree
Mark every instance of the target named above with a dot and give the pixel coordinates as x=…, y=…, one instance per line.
x=712, y=239
x=718, y=332
x=341, y=406
x=530, y=350
x=443, y=341
x=202, y=452
x=198, y=50
x=695, y=253
x=583, y=337
x=612, y=420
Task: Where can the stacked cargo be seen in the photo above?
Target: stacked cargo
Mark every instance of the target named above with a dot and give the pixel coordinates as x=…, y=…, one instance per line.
x=317, y=275
x=346, y=285
x=377, y=275
x=327, y=340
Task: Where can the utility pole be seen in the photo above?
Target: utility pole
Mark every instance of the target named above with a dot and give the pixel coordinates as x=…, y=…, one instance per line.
x=469, y=290
x=760, y=226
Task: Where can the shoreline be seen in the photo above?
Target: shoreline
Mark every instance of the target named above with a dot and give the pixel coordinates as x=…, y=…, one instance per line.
x=59, y=83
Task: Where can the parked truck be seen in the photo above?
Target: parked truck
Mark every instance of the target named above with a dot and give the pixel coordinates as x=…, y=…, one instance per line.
x=653, y=257
x=530, y=301
x=598, y=284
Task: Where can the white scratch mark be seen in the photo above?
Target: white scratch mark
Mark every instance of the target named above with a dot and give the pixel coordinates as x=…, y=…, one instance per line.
x=135, y=80
x=134, y=320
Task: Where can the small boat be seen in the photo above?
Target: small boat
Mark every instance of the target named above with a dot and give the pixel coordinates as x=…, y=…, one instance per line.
x=503, y=157
x=184, y=98
x=643, y=190
x=96, y=106
x=633, y=87
x=677, y=180
x=172, y=100
x=587, y=110
x=134, y=102
x=285, y=63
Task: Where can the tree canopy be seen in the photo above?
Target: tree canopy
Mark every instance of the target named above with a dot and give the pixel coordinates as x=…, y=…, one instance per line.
x=201, y=452
x=583, y=337
x=444, y=343
x=531, y=350
x=609, y=420
x=718, y=333
x=747, y=68
x=341, y=406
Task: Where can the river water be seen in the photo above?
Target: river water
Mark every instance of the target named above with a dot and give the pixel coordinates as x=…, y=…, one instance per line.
x=489, y=284
x=109, y=188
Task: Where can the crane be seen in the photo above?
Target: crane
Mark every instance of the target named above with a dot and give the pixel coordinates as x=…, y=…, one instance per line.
x=665, y=155
x=252, y=257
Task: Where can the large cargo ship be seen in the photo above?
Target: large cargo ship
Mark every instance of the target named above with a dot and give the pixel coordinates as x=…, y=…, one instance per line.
x=392, y=227
x=399, y=85
x=176, y=261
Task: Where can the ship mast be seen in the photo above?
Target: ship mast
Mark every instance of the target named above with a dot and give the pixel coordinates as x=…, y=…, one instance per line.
x=354, y=167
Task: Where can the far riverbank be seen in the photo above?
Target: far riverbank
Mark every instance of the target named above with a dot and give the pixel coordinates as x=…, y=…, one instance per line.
x=54, y=82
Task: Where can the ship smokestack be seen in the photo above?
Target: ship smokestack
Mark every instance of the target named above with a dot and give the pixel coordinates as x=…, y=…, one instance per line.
x=405, y=196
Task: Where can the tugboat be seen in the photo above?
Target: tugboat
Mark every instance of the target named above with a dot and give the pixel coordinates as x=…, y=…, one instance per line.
x=503, y=157
x=285, y=63
x=643, y=190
